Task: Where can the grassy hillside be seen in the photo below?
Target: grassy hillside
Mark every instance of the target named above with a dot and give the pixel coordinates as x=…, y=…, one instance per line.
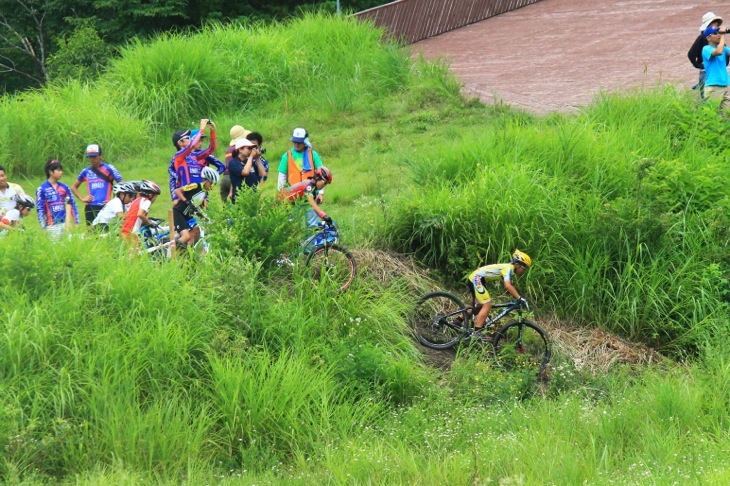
x=115, y=369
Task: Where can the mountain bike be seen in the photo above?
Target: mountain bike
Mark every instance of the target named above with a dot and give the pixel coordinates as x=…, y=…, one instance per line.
x=159, y=244
x=326, y=259
x=441, y=320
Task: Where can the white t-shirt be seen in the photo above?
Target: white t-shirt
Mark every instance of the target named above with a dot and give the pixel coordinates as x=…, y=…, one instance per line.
x=109, y=212
x=11, y=216
x=6, y=198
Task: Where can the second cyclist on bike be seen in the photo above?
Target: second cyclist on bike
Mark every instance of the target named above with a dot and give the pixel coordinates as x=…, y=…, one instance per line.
x=308, y=190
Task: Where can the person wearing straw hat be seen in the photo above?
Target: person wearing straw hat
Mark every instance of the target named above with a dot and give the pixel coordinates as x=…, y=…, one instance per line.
x=237, y=133
x=695, y=52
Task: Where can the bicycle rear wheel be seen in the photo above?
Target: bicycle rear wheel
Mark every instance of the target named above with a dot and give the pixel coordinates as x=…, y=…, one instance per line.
x=334, y=264
x=522, y=345
x=439, y=320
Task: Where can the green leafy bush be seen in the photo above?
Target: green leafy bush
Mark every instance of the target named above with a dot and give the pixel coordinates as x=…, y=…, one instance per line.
x=256, y=228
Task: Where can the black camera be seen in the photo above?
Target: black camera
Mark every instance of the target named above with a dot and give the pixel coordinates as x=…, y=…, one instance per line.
x=262, y=150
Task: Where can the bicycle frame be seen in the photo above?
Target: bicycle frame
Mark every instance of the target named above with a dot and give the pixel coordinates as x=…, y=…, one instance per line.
x=327, y=235
x=154, y=239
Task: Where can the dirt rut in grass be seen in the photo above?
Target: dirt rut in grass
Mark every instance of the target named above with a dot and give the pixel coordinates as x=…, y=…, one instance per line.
x=590, y=349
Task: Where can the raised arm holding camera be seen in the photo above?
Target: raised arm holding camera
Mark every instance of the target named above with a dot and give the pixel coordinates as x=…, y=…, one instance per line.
x=714, y=58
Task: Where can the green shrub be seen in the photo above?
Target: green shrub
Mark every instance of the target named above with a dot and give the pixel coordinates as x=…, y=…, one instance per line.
x=256, y=229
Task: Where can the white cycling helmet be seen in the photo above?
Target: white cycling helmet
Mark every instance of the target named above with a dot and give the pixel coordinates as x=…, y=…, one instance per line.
x=125, y=188
x=210, y=174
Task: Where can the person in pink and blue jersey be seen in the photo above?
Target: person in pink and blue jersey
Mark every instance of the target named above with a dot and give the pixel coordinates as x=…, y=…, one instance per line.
x=100, y=179
x=52, y=197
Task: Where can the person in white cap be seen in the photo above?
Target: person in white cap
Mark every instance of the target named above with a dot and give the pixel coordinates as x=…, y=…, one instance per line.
x=100, y=179
x=695, y=52
x=298, y=165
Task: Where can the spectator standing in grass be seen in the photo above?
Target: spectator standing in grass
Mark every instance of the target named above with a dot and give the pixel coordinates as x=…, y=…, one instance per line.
x=298, y=165
x=8, y=191
x=185, y=168
x=695, y=52
x=237, y=133
x=100, y=178
x=55, y=201
x=247, y=166
x=714, y=57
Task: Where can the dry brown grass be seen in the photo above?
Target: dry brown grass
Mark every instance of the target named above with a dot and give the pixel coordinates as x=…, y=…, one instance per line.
x=595, y=350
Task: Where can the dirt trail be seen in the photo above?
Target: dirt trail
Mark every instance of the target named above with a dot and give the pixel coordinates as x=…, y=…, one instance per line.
x=557, y=55
x=589, y=349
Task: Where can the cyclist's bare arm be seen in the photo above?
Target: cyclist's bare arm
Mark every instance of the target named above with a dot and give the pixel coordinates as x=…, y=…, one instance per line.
x=511, y=289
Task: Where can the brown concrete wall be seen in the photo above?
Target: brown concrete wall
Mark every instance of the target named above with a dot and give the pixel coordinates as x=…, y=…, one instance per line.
x=557, y=55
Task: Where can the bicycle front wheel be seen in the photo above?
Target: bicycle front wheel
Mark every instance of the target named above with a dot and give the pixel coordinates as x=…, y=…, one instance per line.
x=334, y=264
x=439, y=320
x=522, y=345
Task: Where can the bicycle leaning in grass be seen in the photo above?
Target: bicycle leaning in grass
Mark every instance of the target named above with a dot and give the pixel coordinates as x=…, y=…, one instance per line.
x=441, y=320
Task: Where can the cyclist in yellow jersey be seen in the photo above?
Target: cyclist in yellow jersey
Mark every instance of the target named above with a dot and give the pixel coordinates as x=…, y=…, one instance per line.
x=500, y=271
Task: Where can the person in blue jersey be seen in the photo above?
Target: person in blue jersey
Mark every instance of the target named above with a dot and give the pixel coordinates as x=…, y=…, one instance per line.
x=100, y=179
x=185, y=168
x=205, y=156
x=55, y=201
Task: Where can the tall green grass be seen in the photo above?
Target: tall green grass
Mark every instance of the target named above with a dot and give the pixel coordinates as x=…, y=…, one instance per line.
x=625, y=229
x=107, y=357
x=59, y=122
x=318, y=64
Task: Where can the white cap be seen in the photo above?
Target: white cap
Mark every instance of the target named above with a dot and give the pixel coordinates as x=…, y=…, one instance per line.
x=299, y=135
x=244, y=142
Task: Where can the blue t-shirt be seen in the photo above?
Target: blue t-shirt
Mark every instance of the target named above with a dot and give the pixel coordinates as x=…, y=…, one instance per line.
x=715, y=66
x=98, y=188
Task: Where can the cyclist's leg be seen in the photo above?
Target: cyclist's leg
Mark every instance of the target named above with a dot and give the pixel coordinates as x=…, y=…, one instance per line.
x=482, y=297
x=182, y=227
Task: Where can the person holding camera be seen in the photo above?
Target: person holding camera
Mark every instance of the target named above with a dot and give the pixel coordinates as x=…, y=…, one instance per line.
x=695, y=52
x=247, y=164
x=185, y=167
x=205, y=156
x=714, y=57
